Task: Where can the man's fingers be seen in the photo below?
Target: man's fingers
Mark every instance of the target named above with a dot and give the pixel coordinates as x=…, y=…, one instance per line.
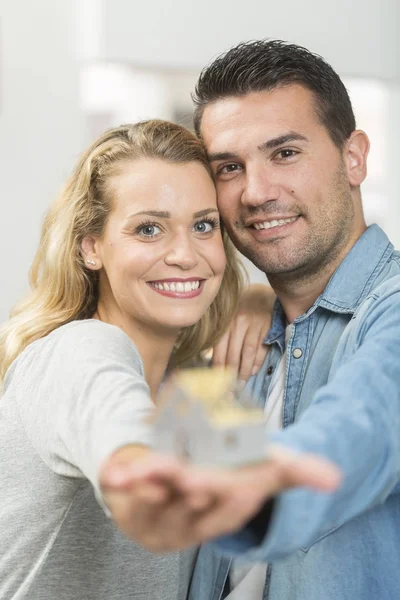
x=228, y=351
x=261, y=352
x=253, y=353
x=236, y=341
x=281, y=471
x=220, y=351
x=304, y=470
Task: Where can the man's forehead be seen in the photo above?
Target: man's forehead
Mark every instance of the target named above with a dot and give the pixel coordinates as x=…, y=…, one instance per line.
x=257, y=117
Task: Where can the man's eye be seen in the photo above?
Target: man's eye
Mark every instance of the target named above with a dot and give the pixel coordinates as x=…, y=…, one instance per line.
x=229, y=168
x=286, y=153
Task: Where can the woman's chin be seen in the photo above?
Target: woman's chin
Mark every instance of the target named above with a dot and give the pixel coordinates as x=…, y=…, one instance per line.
x=181, y=322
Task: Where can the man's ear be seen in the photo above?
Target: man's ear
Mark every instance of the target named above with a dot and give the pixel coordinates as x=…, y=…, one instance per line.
x=355, y=155
x=90, y=253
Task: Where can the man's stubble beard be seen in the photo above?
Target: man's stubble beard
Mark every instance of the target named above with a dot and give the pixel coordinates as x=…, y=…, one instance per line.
x=322, y=247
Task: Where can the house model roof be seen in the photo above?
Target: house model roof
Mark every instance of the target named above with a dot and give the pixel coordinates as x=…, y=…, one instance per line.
x=216, y=390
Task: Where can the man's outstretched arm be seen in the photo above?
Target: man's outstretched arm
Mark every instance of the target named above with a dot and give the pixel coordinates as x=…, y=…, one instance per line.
x=165, y=504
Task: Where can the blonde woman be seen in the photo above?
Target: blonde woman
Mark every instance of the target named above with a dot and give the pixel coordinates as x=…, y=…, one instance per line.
x=133, y=273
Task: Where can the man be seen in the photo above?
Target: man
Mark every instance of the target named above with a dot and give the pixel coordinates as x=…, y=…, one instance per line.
x=288, y=164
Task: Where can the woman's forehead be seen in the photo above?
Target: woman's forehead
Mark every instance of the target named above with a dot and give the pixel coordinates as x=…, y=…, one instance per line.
x=151, y=184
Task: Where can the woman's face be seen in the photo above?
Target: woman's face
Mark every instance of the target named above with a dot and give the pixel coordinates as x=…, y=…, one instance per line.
x=162, y=254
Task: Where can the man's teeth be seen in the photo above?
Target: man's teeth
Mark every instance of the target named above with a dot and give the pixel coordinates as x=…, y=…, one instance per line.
x=275, y=223
x=179, y=286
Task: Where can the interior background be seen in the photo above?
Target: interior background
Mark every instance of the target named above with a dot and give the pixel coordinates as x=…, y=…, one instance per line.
x=70, y=69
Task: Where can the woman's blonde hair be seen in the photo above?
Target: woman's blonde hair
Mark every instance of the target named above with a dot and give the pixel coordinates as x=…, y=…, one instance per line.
x=62, y=288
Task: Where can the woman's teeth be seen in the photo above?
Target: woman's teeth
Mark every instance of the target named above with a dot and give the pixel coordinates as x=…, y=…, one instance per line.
x=178, y=286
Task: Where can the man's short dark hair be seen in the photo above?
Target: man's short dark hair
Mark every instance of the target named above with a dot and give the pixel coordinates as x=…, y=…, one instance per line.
x=267, y=64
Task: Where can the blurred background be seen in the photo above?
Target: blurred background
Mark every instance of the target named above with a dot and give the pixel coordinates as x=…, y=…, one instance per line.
x=70, y=69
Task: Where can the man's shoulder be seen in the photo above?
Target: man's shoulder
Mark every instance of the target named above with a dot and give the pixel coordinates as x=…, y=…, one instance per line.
x=385, y=278
x=387, y=286
x=376, y=319
x=382, y=302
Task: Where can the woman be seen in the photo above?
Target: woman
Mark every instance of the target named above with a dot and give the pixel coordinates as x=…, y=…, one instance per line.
x=133, y=274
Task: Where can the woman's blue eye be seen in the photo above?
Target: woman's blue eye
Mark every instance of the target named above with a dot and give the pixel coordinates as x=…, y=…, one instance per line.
x=203, y=227
x=149, y=230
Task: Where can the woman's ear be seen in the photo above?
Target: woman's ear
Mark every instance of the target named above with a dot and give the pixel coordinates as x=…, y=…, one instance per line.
x=90, y=253
x=355, y=154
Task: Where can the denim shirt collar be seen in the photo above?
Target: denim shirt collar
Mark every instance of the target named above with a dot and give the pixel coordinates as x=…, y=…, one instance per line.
x=349, y=284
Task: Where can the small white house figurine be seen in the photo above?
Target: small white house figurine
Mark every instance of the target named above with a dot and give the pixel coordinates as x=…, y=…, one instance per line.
x=201, y=419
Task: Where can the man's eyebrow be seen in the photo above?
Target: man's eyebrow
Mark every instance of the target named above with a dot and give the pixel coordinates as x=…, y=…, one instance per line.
x=213, y=156
x=281, y=140
x=269, y=145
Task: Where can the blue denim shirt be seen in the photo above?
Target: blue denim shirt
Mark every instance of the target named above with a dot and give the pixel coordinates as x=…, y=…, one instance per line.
x=342, y=401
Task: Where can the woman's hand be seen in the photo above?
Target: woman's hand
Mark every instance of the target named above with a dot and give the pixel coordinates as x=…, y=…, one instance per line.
x=241, y=347
x=165, y=504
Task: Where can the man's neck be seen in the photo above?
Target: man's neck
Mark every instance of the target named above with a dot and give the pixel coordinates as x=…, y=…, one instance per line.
x=298, y=291
x=297, y=296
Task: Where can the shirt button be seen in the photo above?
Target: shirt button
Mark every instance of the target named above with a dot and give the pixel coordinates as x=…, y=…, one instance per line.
x=270, y=370
x=297, y=353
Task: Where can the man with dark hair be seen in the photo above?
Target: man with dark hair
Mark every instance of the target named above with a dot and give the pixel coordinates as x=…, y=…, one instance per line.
x=267, y=64
x=288, y=163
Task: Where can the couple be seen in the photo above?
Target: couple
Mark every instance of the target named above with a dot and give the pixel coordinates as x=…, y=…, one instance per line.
x=138, y=221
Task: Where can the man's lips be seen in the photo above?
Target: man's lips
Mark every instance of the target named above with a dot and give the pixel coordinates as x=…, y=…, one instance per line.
x=271, y=223
x=273, y=229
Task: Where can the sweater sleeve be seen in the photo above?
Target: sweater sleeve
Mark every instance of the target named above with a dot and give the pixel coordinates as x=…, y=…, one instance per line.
x=82, y=395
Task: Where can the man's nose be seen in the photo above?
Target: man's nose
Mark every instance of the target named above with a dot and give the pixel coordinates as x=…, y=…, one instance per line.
x=182, y=252
x=260, y=186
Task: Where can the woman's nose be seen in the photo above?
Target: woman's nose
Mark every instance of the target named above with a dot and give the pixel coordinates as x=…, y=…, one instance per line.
x=182, y=253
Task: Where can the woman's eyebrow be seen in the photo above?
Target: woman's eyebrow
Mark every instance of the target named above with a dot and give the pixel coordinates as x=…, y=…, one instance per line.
x=203, y=213
x=162, y=214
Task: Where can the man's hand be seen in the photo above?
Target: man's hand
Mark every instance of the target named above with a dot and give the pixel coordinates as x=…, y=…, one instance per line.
x=241, y=346
x=167, y=505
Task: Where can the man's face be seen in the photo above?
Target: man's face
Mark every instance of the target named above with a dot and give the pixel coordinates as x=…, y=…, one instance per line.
x=282, y=184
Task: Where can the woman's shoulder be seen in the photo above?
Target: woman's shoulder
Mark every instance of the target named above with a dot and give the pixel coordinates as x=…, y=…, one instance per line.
x=82, y=344
x=102, y=340
x=91, y=331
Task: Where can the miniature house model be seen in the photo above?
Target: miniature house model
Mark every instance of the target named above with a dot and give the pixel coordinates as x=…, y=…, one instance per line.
x=200, y=418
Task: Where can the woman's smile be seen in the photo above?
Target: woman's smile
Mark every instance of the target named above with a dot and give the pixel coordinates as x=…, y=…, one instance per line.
x=178, y=287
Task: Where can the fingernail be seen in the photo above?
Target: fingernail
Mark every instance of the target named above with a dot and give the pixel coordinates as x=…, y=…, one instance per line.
x=255, y=370
x=241, y=384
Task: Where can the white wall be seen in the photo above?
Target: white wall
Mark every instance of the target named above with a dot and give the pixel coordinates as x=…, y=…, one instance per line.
x=45, y=43
x=41, y=127
x=358, y=36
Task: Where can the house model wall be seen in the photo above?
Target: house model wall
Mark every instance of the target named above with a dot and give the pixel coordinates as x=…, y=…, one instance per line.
x=200, y=419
